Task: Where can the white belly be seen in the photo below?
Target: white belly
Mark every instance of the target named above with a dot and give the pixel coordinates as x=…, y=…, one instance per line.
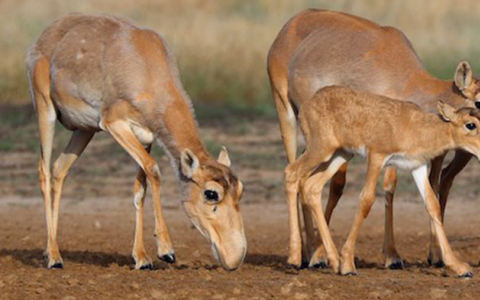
x=84, y=117
x=362, y=151
x=402, y=162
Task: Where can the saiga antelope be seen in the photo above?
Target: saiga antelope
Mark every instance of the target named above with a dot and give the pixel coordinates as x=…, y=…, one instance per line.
x=99, y=72
x=339, y=122
x=318, y=48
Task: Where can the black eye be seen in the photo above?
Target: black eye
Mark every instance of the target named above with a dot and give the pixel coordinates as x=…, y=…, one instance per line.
x=211, y=195
x=477, y=104
x=471, y=126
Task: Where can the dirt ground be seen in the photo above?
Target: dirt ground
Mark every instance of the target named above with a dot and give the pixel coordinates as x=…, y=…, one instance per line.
x=97, y=227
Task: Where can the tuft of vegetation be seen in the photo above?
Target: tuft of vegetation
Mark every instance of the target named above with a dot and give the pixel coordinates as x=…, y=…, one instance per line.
x=221, y=46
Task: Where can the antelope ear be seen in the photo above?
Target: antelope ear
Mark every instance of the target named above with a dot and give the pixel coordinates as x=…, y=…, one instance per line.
x=189, y=163
x=446, y=111
x=463, y=76
x=223, y=157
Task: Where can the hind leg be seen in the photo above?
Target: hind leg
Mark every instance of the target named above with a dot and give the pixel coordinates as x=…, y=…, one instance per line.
x=312, y=189
x=61, y=167
x=392, y=258
x=294, y=172
x=46, y=117
x=337, y=183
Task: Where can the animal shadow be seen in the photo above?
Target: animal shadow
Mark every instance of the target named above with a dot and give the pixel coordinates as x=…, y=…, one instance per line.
x=35, y=257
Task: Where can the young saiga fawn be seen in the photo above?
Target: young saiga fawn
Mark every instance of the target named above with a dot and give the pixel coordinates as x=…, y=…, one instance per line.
x=338, y=123
x=100, y=72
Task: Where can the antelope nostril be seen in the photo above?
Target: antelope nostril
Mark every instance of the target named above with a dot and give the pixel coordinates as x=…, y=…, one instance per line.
x=477, y=104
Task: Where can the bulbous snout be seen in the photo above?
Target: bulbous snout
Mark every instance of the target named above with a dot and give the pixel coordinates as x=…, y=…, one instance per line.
x=230, y=252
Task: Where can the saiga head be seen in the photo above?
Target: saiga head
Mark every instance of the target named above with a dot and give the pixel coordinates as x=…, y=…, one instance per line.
x=468, y=85
x=213, y=194
x=466, y=124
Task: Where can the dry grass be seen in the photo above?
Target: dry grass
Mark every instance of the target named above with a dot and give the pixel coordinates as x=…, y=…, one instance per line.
x=221, y=46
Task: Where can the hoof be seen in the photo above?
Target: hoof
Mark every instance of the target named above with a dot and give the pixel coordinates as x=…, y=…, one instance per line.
x=437, y=264
x=319, y=265
x=169, y=258
x=466, y=275
x=353, y=273
x=398, y=265
x=148, y=266
x=304, y=264
x=57, y=265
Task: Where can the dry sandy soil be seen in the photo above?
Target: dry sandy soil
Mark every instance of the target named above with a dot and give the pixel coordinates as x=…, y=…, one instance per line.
x=97, y=224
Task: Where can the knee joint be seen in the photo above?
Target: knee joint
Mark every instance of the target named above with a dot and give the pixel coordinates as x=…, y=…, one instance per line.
x=153, y=172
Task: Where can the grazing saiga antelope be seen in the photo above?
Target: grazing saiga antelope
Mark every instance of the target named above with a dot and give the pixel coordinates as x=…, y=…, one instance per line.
x=101, y=73
x=339, y=122
x=318, y=48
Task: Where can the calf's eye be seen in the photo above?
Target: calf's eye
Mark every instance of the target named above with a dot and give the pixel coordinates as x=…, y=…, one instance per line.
x=477, y=104
x=211, y=195
x=471, y=126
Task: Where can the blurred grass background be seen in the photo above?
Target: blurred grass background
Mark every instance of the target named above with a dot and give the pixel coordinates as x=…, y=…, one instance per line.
x=221, y=46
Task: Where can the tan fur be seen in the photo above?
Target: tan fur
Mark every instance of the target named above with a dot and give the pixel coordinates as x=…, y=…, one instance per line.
x=318, y=48
x=339, y=122
x=100, y=72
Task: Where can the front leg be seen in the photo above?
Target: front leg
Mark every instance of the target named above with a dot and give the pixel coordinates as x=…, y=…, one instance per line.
x=367, y=198
x=434, y=254
x=433, y=207
x=139, y=254
x=124, y=135
x=337, y=184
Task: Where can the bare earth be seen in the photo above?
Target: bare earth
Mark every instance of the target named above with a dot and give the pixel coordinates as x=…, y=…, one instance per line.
x=97, y=226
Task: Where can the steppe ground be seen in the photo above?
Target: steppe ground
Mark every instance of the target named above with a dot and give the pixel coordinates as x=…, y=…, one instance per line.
x=97, y=225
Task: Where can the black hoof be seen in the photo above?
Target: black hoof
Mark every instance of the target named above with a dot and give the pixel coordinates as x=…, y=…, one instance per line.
x=304, y=264
x=147, y=267
x=169, y=258
x=398, y=265
x=350, y=274
x=437, y=264
x=466, y=275
x=320, y=265
x=57, y=265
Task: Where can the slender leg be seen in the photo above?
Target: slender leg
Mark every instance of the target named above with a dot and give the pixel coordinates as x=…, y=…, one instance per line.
x=293, y=174
x=312, y=190
x=61, y=167
x=46, y=116
x=434, y=254
x=433, y=207
x=123, y=134
x=309, y=232
x=392, y=259
x=139, y=254
x=458, y=163
x=288, y=130
x=367, y=198
x=337, y=183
